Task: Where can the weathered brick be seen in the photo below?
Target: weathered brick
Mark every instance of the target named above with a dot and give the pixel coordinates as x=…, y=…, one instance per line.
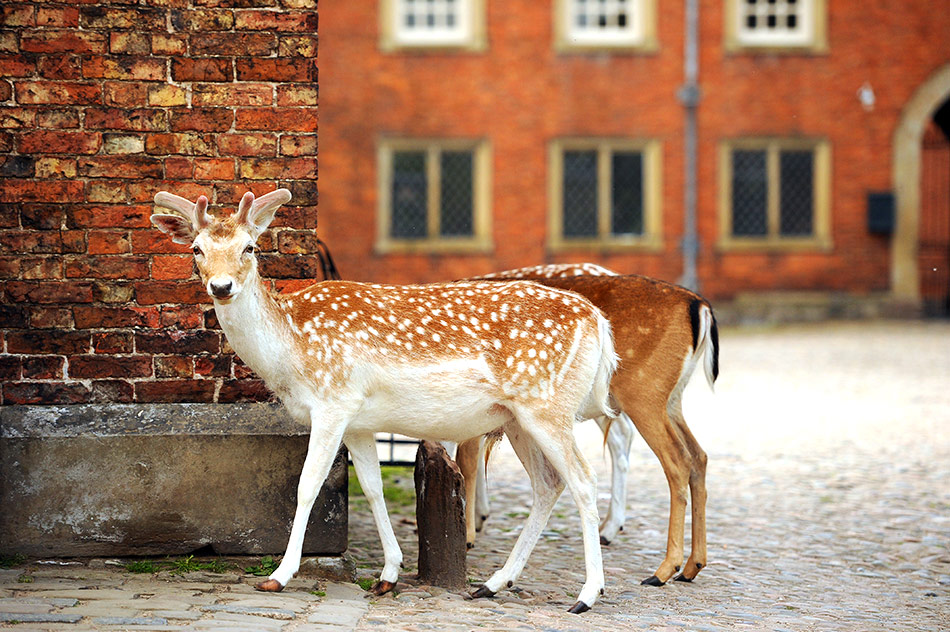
x=127, y=94
x=44, y=393
x=41, y=268
x=130, y=43
x=289, y=266
x=189, y=144
x=294, y=95
x=243, y=391
x=174, y=366
x=247, y=144
x=100, y=216
x=13, y=317
x=42, y=142
x=178, y=168
x=10, y=267
x=111, y=17
x=113, y=292
x=141, y=119
x=174, y=342
x=277, y=119
x=17, y=15
x=213, y=366
x=276, y=69
x=154, y=242
x=96, y=317
x=107, y=267
x=159, y=292
x=214, y=169
x=40, y=292
x=234, y=44
x=17, y=66
x=105, y=366
x=54, y=342
x=285, y=21
x=297, y=242
x=60, y=67
x=297, y=46
x=61, y=16
x=202, y=120
x=175, y=391
x=111, y=391
x=42, y=216
x=57, y=119
x=201, y=69
x=120, y=167
x=105, y=191
x=278, y=168
x=51, y=318
x=123, y=144
x=57, y=93
x=33, y=191
x=122, y=67
x=10, y=368
x=167, y=95
x=102, y=242
x=167, y=267
x=169, y=44
x=43, y=367
x=232, y=94
x=202, y=20
x=182, y=316
x=112, y=342
x=64, y=41
x=17, y=166
x=55, y=168
x=14, y=118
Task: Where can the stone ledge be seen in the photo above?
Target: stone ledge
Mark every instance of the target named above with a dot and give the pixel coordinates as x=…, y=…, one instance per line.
x=157, y=479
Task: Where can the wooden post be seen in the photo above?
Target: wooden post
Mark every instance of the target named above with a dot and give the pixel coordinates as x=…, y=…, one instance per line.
x=440, y=517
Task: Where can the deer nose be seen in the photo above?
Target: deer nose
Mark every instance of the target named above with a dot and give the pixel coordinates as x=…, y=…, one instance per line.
x=220, y=290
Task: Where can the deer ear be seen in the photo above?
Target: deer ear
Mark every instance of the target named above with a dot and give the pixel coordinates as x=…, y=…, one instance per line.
x=262, y=210
x=175, y=226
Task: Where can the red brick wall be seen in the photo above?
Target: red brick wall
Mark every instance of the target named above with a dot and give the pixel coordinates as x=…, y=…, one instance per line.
x=520, y=94
x=103, y=104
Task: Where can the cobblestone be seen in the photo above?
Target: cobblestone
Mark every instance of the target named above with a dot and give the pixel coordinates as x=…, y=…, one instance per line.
x=829, y=510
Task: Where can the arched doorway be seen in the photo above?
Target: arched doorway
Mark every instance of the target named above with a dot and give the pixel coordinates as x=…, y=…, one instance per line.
x=907, y=169
x=934, y=255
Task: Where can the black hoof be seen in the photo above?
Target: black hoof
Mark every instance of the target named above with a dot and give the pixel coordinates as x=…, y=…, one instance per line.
x=652, y=580
x=382, y=587
x=682, y=578
x=469, y=545
x=579, y=608
x=604, y=541
x=482, y=592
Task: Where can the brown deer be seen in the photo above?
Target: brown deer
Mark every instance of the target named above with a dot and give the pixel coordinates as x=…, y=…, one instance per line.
x=661, y=331
x=444, y=362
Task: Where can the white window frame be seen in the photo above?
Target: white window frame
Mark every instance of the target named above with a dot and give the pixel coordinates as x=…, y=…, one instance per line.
x=638, y=35
x=468, y=33
x=810, y=35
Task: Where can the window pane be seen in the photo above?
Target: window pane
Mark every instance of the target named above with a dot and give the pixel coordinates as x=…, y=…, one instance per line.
x=626, y=194
x=749, y=193
x=796, y=210
x=456, y=196
x=409, y=191
x=580, y=194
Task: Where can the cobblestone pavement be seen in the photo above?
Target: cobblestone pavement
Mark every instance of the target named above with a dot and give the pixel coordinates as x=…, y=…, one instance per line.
x=829, y=509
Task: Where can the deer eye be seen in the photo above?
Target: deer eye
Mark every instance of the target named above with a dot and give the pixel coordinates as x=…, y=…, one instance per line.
x=197, y=251
x=249, y=250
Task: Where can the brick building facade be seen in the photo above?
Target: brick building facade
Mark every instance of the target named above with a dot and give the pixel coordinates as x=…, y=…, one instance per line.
x=809, y=113
x=103, y=104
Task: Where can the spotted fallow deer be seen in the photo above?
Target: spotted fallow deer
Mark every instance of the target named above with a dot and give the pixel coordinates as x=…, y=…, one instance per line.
x=661, y=331
x=443, y=362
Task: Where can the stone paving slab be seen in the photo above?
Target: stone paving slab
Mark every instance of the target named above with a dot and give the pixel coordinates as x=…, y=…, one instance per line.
x=828, y=511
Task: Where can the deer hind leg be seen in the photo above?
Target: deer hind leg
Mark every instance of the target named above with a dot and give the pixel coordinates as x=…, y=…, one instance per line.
x=546, y=486
x=669, y=447
x=321, y=450
x=697, y=493
x=467, y=458
x=619, y=436
x=363, y=452
x=481, y=488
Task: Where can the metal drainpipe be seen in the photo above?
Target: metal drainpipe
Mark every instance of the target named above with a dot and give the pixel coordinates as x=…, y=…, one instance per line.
x=689, y=95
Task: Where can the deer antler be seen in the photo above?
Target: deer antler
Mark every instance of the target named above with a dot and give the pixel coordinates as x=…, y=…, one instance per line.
x=197, y=212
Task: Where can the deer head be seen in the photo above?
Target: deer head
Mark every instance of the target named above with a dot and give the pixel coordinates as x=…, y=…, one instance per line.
x=223, y=247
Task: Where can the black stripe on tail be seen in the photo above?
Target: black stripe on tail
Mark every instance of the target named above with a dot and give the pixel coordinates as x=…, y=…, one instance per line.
x=694, y=306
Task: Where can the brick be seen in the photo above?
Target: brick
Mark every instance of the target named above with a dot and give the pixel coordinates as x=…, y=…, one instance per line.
x=175, y=342
x=167, y=95
x=57, y=93
x=40, y=292
x=188, y=144
x=105, y=366
x=169, y=44
x=182, y=316
x=43, y=367
x=100, y=242
x=64, y=41
x=54, y=342
x=243, y=391
x=106, y=17
x=51, y=318
x=123, y=144
x=9, y=267
x=9, y=42
x=6, y=92
x=32, y=191
x=16, y=66
x=202, y=120
x=41, y=268
x=297, y=242
x=175, y=391
x=134, y=167
x=202, y=20
x=154, y=242
x=293, y=96
x=100, y=216
x=42, y=142
x=167, y=267
x=213, y=366
x=42, y=216
x=9, y=216
x=111, y=391
x=107, y=267
x=10, y=368
x=297, y=46
x=214, y=169
x=128, y=94
x=159, y=292
x=13, y=118
x=284, y=21
x=102, y=191
x=174, y=366
x=60, y=67
x=277, y=119
x=57, y=119
x=34, y=242
x=179, y=168
x=17, y=15
x=57, y=16
x=276, y=69
x=96, y=317
x=289, y=266
x=247, y=144
x=278, y=168
x=126, y=68
x=112, y=342
x=51, y=168
x=130, y=43
x=232, y=94
x=141, y=119
x=234, y=44
x=17, y=166
x=201, y=69
x=13, y=317
x=44, y=393
x=113, y=292
x=236, y=3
